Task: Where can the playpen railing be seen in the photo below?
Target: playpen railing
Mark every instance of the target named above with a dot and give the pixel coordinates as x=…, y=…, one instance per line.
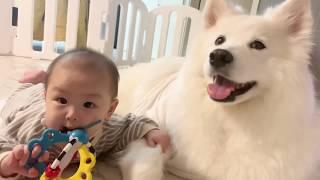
x=24, y=34
x=6, y=30
x=179, y=23
x=126, y=27
x=121, y=29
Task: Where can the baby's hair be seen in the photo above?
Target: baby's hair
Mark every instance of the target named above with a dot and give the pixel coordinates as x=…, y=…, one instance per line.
x=94, y=58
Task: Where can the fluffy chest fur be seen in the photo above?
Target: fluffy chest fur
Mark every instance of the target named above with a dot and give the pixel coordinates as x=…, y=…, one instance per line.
x=270, y=137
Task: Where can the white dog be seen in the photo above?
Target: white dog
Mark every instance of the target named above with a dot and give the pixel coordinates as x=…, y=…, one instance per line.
x=240, y=107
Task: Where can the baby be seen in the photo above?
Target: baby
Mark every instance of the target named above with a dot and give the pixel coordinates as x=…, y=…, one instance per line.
x=80, y=87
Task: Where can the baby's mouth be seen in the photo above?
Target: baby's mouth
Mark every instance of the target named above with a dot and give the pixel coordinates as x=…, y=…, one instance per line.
x=65, y=130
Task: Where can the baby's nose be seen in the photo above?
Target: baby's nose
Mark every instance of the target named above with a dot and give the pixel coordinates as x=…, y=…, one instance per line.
x=72, y=114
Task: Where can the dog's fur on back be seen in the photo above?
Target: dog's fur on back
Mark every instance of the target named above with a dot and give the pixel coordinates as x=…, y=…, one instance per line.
x=241, y=106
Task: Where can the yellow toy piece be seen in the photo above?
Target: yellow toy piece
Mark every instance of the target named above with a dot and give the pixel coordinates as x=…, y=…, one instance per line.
x=87, y=162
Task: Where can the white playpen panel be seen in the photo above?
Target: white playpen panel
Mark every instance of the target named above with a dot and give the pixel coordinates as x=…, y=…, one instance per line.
x=6, y=32
x=22, y=43
x=23, y=40
x=135, y=32
x=179, y=22
x=127, y=47
x=254, y=7
x=134, y=40
x=71, y=28
x=50, y=20
x=97, y=15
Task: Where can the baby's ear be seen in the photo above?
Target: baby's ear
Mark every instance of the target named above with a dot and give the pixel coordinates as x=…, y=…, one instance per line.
x=112, y=108
x=295, y=15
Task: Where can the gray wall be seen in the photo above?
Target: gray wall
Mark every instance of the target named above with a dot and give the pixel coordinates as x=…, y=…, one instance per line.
x=316, y=51
x=245, y=4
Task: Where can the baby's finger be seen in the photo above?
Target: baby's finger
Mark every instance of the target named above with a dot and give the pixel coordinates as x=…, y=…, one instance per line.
x=18, y=152
x=32, y=172
x=165, y=144
x=151, y=142
x=44, y=157
x=36, y=151
x=25, y=156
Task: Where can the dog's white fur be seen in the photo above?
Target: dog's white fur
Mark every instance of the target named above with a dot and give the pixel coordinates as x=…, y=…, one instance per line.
x=269, y=133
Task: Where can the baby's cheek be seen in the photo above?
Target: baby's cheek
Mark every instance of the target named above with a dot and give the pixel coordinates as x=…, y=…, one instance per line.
x=47, y=122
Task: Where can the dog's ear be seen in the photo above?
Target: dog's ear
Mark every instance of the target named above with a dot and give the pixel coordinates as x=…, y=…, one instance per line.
x=213, y=10
x=295, y=15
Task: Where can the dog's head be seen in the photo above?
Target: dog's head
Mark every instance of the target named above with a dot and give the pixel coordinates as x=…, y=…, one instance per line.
x=244, y=56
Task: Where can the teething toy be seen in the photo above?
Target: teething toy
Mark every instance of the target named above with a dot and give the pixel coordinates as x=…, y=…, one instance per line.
x=77, y=140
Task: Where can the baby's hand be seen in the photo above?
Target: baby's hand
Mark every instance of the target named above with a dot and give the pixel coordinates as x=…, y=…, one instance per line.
x=15, y=160
x=160, y=137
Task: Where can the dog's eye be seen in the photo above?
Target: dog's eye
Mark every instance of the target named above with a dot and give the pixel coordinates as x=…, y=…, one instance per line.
x=220, y=40
x=257, y=45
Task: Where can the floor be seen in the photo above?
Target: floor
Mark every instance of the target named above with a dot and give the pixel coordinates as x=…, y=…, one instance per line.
x=12, y=68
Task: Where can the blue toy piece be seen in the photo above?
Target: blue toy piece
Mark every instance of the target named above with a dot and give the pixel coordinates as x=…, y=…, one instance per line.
x=48, y=138
x=80, y=135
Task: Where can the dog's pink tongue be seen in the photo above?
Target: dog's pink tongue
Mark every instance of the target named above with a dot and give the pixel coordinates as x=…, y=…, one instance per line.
x=220, y=92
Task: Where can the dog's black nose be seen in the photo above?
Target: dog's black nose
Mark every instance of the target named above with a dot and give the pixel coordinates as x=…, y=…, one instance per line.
x=220, y=57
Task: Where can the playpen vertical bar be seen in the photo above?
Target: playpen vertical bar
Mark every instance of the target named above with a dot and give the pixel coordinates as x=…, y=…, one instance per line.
x=254, y=7
x=164, y=34
x=139, y=51
x=6, y=31
x=22, y=45
x=110, y=39
x=132, y=30
x=145, y=53
x=97, y=9
x=177, y=35
x=50, y=27
x=194, y=26
x=139, y=40
x=122, y=31
x=72, y=24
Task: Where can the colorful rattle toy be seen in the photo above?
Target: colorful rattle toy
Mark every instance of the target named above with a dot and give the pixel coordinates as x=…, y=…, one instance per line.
x=77, y=140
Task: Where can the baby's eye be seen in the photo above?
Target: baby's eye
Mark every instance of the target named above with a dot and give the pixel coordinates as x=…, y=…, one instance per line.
x=89, y=105
x=62, y=100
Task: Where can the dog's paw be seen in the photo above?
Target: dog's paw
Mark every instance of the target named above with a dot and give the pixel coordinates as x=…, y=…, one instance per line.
x=142, y=162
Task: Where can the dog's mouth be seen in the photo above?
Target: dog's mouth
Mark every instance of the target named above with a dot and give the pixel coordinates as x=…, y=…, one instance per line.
x=225, y=90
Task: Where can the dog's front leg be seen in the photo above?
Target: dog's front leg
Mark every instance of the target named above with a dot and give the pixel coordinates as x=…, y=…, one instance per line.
x=141, y=162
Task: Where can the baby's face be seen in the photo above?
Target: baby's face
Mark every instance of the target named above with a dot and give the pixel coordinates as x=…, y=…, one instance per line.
x=75, y=99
